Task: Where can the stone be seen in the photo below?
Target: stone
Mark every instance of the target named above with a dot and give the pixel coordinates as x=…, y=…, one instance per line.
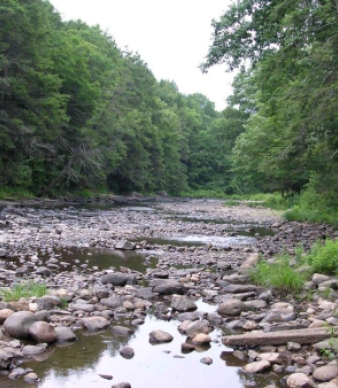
x=206, y=360
x=230, y=308
x=257, y=366
x=106, y=377
x=119, y=279
x=64, y=334
x=326, y=373
x=299, y=380
x=122, y=330
x=6, y=358
x=125, y=245
x=17, y=325
x=167, y=287
x=86, y=307
x=43, y=271
x=197, y=327
x=95, y=323
x=182, y=303
x=30, y=350
x=43, y=332
x=31, y=377
x=159, y=336
x=112, y=302
x=121, y=385
x=201, y=339
x=4, y=314
x=127, y=352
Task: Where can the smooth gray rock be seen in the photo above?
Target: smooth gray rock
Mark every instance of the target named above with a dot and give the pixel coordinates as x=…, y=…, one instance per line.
x=326, y=372
x=30, y=350
x=299, y=380
x=197, y=327
x=125, y=245
x=6, y=358
x=168, y=287
x=119, y=279
x=182, y=303
x=127, y=352
x=206, y=360
x=95, y=323
x=65, y=334
x=257, y=366
x=230, y=308
x=121, y=385
x=159, y=336
x=122, y=330
x=17, y=325
x=113, y=301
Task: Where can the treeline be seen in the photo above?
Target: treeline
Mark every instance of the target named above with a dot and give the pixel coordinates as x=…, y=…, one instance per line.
x=77, y=113
x=286, y=52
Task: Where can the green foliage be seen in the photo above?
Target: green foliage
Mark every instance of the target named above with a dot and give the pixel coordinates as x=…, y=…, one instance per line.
x=279, y=275
x=323, y=257
x=23, y=290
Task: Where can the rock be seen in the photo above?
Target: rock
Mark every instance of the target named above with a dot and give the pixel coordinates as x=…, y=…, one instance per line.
x=182, y=303
x=113, y=301
x=86, y=307
x=64, y=334
x=230, y=308
x=125, y=244
x=30, y=350
x=198, y=327
x=326, y=372
x=127, y=352
x=31, y=377
x=119, y=279
x=206, y=360
x=201, y=339
x=299, y=380
x=4, y=314
x=3, y=252
x=106, y=377
x=6, y=358
x=239, y=288
x=121, y=385
x=43, y=332
x=17, y=325
x=167, y=287
x=122, y=330
x=258, y=366
x=95, y=323
x=187, y=348
x=159, y=336
x=43, y=271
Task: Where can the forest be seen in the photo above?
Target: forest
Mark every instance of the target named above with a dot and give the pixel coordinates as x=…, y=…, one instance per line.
x=78, y=114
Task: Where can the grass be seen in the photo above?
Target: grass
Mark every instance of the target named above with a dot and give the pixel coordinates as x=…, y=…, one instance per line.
x=279, y=275
x=23, y=290
x=7, y=193
x=323, y=258
x=313, y=216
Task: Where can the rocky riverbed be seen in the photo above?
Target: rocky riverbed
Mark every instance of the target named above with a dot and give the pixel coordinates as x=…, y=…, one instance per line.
x=160, y=279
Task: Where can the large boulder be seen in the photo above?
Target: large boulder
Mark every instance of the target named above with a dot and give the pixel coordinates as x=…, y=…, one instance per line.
x=167, y=287
x=326, y=372
x=17, y=325
x=230, y=308
x=95, y=323
x=119, y=279
x=182, y=303
x=159, y=337
x=42, y=332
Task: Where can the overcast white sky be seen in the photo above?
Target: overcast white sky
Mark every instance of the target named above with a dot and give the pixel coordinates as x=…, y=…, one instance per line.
x=172, y=37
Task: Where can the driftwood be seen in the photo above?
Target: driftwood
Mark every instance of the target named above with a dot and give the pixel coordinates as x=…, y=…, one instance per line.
x=302, y=336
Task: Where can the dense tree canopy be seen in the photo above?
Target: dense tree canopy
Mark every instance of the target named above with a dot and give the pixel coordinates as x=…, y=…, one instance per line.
x=76, y=112
x=289, y=91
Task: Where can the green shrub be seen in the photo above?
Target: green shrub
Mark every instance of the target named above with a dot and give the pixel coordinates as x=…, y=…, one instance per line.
x=23, y=290
x=323, y=258
x=279, y=275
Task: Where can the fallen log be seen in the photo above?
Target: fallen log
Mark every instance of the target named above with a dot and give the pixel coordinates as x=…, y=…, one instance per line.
x=302, y=336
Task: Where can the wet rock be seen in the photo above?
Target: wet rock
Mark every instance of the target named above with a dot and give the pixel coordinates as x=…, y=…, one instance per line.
x=127, y=352
x=121, y=385
x=201, y=339
x=17, y=325
x=30, y=350
x=6, y=358
x=3, y=252
x=95, y=323
x=64, y=334
x=198, y=327
x=119, y=279
x=122, y=330
x=125, y=245
x=42, y=332
x=182, y=303
x=87, y=307
x=159, y=336
x=230, y=308
x=206, y=360
x=239, y=288
x=257, y=367
x=167, y=287
x=326, y=372
x=43, y=271
x=31, y=377
x=299, y=380
x=187, y=348
x=106, y=377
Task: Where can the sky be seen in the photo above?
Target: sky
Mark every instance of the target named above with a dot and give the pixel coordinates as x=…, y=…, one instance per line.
x=171, y=36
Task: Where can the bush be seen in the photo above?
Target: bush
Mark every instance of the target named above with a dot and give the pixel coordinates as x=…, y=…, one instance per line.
x=324, y=258
x=279, y=275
